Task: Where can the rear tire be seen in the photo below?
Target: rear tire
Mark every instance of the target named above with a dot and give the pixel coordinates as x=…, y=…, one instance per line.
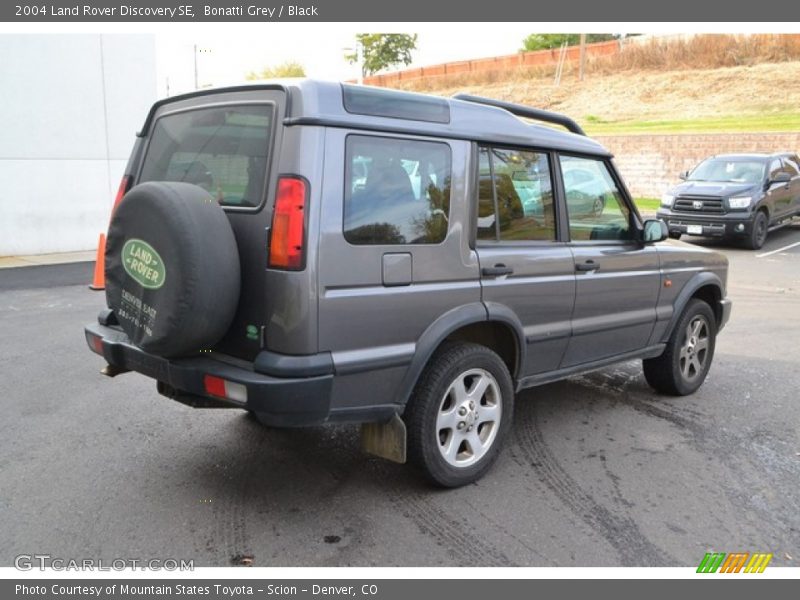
x=459, y=414
x=683, y=366
x=758, y=234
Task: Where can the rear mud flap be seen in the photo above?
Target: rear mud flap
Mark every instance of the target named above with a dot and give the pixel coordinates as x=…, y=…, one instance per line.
x=386, y=440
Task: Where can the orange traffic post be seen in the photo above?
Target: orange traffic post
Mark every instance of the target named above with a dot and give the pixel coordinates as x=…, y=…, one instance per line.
x=99, y=280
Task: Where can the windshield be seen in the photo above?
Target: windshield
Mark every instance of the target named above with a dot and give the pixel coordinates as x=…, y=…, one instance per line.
x=736, y=171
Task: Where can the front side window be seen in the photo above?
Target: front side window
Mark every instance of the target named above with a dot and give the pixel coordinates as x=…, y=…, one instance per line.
x=397, y=191
x=515, y=196
x=224, y=150
x=791, y=167
x=595, y=205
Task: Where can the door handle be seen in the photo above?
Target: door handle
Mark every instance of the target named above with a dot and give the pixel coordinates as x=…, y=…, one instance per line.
x=587, y=266
x=496, y=271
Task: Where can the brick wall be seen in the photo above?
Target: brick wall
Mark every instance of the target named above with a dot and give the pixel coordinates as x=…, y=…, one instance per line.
x=650, y=164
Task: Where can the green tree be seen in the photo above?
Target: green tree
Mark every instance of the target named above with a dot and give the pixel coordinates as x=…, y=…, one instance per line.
x=544, y=41
x=383, y=50
x=288, y=69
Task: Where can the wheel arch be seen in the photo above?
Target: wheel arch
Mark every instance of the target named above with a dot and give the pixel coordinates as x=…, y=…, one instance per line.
x=490, y=326
x=704, y=286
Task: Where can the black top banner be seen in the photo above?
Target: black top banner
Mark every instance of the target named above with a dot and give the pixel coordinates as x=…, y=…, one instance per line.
x=623, y=11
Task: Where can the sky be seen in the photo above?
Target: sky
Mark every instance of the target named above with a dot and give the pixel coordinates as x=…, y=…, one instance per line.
x=225, y=58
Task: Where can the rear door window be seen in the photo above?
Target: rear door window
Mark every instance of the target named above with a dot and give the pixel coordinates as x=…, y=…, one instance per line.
x=224, y=150
x=515, y=196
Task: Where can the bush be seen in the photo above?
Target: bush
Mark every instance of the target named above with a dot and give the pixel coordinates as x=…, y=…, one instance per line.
x=287, y=69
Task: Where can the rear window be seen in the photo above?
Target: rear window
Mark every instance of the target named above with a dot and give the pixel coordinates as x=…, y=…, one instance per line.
x=224, y=150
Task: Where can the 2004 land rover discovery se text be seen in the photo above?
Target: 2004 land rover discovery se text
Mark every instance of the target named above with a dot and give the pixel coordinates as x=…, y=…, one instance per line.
x=317, y=252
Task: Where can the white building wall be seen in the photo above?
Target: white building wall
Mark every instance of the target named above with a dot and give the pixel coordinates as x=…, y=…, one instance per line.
x=70, y=106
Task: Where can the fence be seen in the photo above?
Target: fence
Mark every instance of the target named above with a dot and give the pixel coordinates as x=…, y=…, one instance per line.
x=537, y=58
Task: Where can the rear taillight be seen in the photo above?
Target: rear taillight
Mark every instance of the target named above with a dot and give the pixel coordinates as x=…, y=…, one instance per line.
x=124, y=186
x=287, y=241
x=95, y=343
x=222, y=388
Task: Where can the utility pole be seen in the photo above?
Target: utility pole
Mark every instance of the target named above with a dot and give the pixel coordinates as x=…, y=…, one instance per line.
x=583, y=57
x=194, y=54
x=360, y=61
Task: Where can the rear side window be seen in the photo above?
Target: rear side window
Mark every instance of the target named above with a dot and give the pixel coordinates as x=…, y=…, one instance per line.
x=397, y=191
x=224, y=150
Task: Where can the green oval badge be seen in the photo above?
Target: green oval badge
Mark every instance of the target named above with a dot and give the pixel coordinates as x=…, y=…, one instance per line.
x=143, y=263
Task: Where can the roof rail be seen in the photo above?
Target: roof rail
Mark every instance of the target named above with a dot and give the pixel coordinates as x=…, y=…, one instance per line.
x=525, y=111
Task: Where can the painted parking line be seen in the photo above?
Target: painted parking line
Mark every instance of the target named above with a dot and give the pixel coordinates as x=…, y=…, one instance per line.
x=783, y=249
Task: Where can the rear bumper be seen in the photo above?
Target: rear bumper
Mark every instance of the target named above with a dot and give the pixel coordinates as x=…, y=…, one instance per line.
x=712, y=225
x=281, y=401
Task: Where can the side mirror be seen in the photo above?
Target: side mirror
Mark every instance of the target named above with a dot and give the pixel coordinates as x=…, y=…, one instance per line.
x=781, y=177
x=655, y=230
x=684, y=175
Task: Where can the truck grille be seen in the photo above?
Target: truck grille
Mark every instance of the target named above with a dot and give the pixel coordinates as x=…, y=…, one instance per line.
x=707, y=204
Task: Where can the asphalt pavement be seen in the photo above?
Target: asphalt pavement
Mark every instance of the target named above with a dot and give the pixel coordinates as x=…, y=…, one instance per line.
x=599, y=470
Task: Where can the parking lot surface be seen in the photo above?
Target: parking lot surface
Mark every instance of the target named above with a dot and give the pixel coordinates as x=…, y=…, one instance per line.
x=598, y=471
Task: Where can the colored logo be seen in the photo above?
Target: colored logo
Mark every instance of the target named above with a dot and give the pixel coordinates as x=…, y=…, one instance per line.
x=143, y=263
x=737, y=562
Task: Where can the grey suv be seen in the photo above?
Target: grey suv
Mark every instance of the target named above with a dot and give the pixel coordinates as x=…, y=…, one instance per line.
x=316, y=252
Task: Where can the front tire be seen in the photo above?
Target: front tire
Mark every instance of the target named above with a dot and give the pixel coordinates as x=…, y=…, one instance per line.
x=683, y=366
x=758, y=234
x=459, y=414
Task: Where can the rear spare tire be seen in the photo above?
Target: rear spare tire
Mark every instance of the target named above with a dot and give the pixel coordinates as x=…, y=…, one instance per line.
x=172, y=268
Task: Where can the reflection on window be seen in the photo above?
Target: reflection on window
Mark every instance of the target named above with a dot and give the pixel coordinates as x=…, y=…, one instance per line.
x=487, y=225
x=222, y=150
x=515, y=196
x=594, y=204
x=398, y=191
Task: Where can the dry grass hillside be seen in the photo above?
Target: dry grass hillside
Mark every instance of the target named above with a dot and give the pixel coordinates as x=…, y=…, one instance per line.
x=755, y=86
x=763, y=96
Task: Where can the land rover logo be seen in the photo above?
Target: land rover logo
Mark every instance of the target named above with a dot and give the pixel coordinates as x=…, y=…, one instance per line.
x=697, y=205
x=143, y=263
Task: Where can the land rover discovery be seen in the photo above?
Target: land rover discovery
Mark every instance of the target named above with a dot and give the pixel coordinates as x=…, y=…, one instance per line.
x=317, y=252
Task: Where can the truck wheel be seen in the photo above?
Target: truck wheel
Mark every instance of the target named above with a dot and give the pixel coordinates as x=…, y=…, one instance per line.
x=758, y=234
x=683, y=366
x=459, y=414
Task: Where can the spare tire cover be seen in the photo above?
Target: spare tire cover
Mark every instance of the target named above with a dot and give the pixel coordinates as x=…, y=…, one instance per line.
x=172, y=268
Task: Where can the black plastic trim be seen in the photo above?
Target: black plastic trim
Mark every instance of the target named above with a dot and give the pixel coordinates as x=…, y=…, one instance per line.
x=283, y=401
x=284, y=365
x=549, y=377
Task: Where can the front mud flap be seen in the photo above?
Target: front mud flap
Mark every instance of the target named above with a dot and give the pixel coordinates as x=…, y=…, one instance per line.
x=387, y=440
